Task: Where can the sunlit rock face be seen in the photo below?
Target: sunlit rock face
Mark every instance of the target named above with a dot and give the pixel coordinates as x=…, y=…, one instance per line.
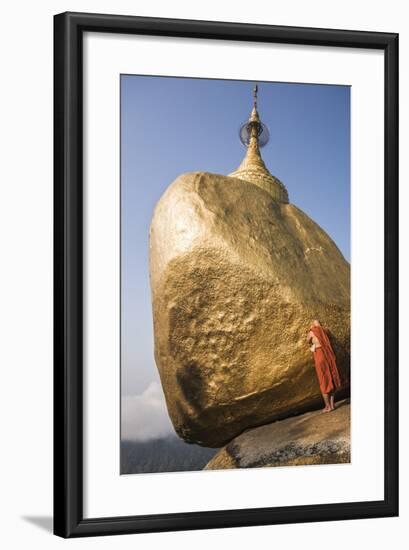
x=310, y=438
x=236, y=278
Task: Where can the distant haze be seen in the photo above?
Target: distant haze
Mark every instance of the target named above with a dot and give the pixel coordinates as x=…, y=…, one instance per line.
x=175, y=125
x=145, y=416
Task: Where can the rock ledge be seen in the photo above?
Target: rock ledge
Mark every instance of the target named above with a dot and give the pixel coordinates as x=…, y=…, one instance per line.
x=311, y=438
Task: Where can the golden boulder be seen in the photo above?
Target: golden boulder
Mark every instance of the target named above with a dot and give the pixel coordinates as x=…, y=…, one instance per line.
x=236, y=278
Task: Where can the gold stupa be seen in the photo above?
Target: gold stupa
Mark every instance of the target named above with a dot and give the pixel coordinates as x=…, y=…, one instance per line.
x=252, y=167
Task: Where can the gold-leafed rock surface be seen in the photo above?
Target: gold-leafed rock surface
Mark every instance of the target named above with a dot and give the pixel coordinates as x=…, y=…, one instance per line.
x=236, y=278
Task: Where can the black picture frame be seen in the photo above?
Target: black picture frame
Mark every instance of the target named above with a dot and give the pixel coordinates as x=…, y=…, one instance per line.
x=68, y=274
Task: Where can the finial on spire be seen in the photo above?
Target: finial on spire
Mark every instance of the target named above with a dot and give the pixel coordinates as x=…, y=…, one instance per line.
x=255, y=90
x=253, y=130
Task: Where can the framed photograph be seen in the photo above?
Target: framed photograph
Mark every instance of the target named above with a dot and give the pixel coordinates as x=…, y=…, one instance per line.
x=226, y=274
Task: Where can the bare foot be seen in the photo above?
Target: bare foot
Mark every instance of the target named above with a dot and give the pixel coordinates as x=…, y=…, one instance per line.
x=326, y=410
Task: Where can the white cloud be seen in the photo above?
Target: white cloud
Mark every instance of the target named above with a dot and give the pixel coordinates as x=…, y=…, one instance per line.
x=145, y=416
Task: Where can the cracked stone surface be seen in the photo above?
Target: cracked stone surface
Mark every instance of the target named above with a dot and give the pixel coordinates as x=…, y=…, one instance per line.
x=311, y=438
x=236, y=278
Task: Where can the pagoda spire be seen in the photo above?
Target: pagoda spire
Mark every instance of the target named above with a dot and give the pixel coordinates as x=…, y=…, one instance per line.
x=254, y=134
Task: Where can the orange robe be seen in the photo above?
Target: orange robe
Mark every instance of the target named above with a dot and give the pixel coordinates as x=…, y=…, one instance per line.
x=325, y=363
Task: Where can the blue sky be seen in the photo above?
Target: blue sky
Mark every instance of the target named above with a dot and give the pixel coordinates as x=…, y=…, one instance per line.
x=175, y=125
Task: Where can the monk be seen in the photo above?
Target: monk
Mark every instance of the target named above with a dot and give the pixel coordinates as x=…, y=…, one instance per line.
x=325, y=364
